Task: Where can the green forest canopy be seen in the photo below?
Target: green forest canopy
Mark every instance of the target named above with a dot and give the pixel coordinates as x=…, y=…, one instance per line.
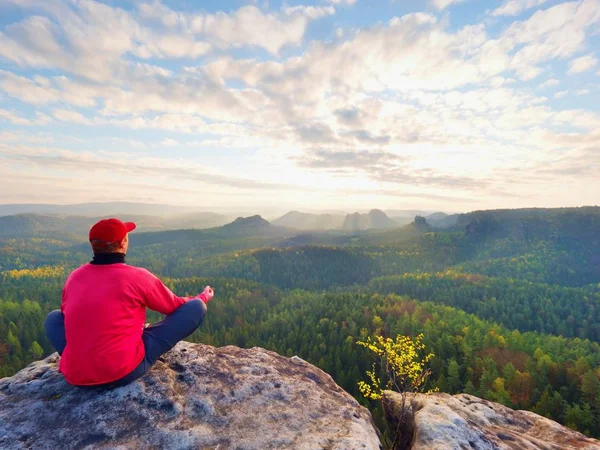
x=509, y=301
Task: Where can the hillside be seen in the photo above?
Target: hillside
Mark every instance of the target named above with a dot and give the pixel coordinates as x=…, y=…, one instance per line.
x=53, y=225
x=30, y=225
x=442, y=220
x=508, y=301
x=309, y=222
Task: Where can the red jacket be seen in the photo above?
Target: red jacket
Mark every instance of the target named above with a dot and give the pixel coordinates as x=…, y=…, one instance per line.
x=105, y=311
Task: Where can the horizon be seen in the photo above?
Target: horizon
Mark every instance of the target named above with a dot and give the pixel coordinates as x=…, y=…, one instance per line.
x=328, y=105
x=231, y=213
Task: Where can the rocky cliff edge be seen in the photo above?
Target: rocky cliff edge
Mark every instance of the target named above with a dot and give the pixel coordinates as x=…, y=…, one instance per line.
x=196, y=396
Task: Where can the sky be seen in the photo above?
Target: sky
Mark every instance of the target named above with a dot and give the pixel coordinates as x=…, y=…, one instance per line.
x=450, y=105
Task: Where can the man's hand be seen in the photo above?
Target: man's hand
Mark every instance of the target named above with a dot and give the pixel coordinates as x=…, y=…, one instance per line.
x=207, y=295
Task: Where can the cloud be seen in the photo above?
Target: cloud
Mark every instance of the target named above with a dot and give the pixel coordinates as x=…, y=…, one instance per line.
x=130, y=165
x=582, y=64
x=414, y=101
x=86, y=38
x=17, y=119
x=349, y=159
x=516, y=7
x=555, y=33
x=169, y=142
x=13, y=118
x=250, y=27
x=551, y=82
x=26, y=89
x=71, y=116
x=91, y=39
x=443, y=4
x=25, y=137
x=246, y=27
x=342, y=2
x=385, y=167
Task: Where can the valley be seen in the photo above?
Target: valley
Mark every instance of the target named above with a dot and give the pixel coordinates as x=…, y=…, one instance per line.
x=508, y=300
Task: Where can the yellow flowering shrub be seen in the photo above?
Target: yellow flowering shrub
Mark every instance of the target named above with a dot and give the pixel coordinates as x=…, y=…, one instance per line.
x=402, y=363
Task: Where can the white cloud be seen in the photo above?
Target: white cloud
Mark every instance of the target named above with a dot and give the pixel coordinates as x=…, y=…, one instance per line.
x=515, y=7
x=555, y=33
x=582, y=64
x=550, y=82
x=582, y=92
x=25, y=137
x=250, y=27
x=100, y=163
x=246, y=27
x=313, y=12
x=169, y=142
x=91, y=39
x=13, y=118
x=342, y=2
x=26, y=89
x=65, y=115
x=443, y=4
x=497, y=82
x=413, y=101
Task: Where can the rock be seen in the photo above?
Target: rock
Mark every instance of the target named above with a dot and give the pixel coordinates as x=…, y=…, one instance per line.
x=374, y=219
x=445, y=422
x=195, y=397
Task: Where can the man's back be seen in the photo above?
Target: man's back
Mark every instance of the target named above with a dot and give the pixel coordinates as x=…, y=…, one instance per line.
x=99, y=330
x=105, y=311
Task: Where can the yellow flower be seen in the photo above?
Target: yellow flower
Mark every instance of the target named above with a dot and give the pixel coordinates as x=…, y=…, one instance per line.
x=401, y=364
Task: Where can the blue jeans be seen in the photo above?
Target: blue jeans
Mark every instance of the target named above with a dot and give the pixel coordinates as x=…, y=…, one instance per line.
x=158, y=338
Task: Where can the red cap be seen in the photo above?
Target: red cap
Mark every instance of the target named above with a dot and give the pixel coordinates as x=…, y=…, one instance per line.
x=110, y=231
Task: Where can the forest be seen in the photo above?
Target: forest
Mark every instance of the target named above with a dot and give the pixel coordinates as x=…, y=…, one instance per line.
x=508, y=300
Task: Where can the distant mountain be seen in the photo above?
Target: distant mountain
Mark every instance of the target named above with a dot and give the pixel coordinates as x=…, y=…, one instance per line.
x=307, y=221
x=77, y=227
x=374, y=219
x=248, y=223
x=567, y=225
x=242, y=233
x=409, y=213
x=29, y=225
x=198, y=220
x=442, y=220
x=402, y=220
x=97, y=209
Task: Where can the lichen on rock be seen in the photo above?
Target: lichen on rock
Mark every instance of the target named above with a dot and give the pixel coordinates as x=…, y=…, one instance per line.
x=196, y=396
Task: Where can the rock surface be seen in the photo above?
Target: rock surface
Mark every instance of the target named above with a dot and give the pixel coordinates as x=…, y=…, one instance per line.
x=463, y=421
x=196, y=396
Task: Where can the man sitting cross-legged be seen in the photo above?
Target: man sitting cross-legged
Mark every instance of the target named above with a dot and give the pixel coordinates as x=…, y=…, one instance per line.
x=99, y=330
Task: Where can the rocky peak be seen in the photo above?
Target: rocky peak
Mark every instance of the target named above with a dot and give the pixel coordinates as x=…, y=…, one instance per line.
x=252, y=222
x=444, y=422
x=196, y=396
x=374, y=219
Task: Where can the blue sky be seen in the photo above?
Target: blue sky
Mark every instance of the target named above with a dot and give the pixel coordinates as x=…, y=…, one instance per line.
x=335, y=104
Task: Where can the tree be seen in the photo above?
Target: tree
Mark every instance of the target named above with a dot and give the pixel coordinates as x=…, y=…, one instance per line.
x=509, y=372
x=402, y=366
x=590, y=385
x=498, y=393
x=470, y=388
x=454, y=380
x=35, y=351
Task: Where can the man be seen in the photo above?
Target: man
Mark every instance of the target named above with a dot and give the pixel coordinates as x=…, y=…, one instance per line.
x=99, y=330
